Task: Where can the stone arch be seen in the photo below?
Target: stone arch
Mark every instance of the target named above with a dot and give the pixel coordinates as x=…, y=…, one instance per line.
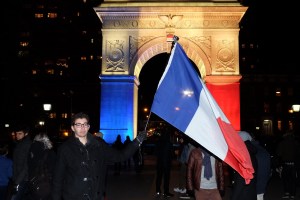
x=135, y=31
x=159, y=45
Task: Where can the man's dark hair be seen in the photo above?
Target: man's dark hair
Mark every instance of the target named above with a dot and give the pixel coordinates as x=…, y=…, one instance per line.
x=80, y=115
x=21, y=127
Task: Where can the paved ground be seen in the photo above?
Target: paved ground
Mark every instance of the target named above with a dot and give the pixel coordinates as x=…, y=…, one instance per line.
x=132, y=186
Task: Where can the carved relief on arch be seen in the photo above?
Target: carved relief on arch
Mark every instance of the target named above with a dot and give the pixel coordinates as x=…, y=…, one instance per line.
x=115, y=56
x=225, y=60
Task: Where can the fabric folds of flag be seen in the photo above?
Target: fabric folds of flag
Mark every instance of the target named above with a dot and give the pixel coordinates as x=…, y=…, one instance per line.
x=183, y=100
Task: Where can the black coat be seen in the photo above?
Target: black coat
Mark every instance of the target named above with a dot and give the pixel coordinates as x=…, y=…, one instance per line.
x=241, y=190
x=36, y=154
x=20, y=155
x=80, y=169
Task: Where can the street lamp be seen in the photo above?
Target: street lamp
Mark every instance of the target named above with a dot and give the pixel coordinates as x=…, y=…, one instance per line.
x=47, y=107
x=296, y=107
x=293, y=125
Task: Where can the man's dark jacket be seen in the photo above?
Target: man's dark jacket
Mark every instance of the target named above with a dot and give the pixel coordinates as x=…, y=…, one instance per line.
x=20, y=155
x=80, y=169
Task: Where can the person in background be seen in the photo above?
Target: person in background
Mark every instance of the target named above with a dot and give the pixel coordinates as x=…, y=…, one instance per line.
x=164, y=155
x=20, y=163
x=6, y=165
x=241, y=190
x=82, y=162
x=205, y=175
x=288, y=152
x=189, y=193
x=41, y=150
x=263, y=173
x=118, y=144
x=127, y=163
x=138, y=159
x=183, y=160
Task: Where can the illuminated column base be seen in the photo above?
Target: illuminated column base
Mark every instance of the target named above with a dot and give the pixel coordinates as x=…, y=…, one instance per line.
x=118, y=107
x=226, y=91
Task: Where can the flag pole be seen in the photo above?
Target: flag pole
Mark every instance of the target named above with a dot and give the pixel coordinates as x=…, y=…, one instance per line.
x=175, y=40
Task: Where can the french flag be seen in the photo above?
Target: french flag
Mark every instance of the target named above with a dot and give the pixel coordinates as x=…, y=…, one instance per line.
x=183, y=100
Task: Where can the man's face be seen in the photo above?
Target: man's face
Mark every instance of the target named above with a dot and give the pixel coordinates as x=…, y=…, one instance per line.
x=20, y=135
x=80, y=127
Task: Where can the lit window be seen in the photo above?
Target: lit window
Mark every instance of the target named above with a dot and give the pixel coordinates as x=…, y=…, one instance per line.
x=278, y=92
x=91, y=57
x=243, y=46
x=52, y=115
x=61, y=73
x=50, y=71
x=251, y=46
x=243, y=59
x=92, y=41
x=279, y=125
x=64, y=115
x=52, y=15
x=83, y=58
x=38, y=15
x=24, y=44
x=33, y=72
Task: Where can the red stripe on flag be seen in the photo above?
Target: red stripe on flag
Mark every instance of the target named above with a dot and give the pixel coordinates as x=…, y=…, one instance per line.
x=237, y=156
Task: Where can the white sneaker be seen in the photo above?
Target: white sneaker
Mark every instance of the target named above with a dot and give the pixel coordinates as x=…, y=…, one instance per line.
x=177, y=190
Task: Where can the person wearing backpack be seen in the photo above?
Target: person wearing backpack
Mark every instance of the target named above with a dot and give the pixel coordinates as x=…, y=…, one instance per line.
x=41, y=161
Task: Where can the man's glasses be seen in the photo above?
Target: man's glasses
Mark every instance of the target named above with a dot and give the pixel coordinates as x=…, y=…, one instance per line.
x=79, y=125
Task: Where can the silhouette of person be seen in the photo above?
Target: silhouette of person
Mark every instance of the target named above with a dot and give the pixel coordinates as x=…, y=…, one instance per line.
x=164, y=154
x=6, y=166
x=241, y=190
x=118, y=144
x=288, y=152
x=41, y=149
x=263, y=173
x=127, y=141
x=20, y=163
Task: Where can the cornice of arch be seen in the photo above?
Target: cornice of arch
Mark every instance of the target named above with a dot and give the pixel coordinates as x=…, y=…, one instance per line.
x=176, y=16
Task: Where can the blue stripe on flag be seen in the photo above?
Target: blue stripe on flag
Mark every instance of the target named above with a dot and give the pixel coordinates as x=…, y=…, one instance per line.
x=177, y=97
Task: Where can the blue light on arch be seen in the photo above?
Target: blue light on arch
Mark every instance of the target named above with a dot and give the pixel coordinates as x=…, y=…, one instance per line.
x=117, y=107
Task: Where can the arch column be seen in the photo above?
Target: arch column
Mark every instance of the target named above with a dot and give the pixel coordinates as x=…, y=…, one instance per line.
x=118, y=111
x=226, y=92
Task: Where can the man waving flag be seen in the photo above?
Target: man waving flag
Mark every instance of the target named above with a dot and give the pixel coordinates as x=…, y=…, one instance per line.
x=183, y=100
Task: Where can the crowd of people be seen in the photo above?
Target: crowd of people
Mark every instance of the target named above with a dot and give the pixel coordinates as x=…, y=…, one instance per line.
x=194, y=162
x=78, y=167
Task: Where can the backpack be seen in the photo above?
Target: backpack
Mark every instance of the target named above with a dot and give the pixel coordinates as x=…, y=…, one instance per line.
x=40, y=184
